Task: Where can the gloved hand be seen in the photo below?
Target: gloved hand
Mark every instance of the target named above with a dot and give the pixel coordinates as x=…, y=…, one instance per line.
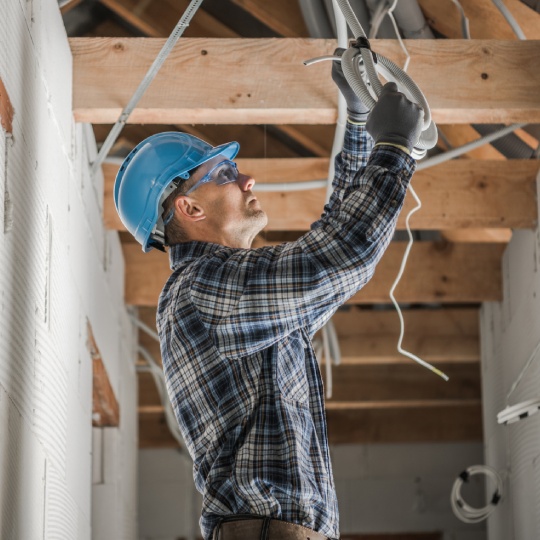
x=356, y=110
x=395, y=119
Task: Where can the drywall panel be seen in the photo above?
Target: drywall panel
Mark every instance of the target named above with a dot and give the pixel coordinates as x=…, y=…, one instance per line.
x=510, y=333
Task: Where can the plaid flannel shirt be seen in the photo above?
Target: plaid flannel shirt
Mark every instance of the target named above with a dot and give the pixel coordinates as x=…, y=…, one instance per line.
x=236, y=326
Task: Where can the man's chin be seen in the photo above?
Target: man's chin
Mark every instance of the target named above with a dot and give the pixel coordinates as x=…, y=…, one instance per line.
x=259, y=219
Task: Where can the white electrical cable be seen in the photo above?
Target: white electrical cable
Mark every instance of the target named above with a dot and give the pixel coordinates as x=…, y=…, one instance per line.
x=458, y=151
x=334, y=343
x=152, y=333
x=327, y=361
x=398, y=36
x=525, y=368
x=395, y=284
x=509, y=18
x=178, y=30
x=467, y=513
x=378, y=17
x=465, y=27
x=159, y=378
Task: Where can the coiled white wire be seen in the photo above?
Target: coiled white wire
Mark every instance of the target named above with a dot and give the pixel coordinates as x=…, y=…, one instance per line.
x=467, y=513
x=370, y=88
x=400, y=349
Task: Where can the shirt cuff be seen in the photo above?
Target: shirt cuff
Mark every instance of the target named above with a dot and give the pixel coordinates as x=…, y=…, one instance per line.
x=393, y=159
x=404, y=148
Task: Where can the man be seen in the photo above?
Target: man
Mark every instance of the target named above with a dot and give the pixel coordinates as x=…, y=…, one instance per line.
x=236, y=324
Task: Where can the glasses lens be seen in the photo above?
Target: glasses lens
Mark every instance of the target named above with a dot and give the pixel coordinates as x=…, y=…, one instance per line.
x=225, y=173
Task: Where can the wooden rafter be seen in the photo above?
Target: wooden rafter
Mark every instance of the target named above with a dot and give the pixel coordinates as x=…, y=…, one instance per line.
x=366, y=337
x=457, y=194
x=157, y=19
x=447, y=273
x=422, y=422
x=485, y=20
x=462, y=422
x=498, y=80
x=282, y=16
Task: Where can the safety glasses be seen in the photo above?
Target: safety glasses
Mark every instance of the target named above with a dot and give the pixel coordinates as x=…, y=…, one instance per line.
x=224, y=172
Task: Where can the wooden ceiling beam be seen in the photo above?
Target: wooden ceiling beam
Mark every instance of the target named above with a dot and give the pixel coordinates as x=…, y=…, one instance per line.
x=369, y=336
x=485, y=20
x=282, y=16
x=436, y=272
x=157, y=19
x=420, y=422
x=457, y=194
x=498, y=80
x=498, y=236
x=358, y=386
x=461, y=134
x=445, y=423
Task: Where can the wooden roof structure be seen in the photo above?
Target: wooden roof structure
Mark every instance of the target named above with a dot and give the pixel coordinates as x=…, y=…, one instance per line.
x=238, y=75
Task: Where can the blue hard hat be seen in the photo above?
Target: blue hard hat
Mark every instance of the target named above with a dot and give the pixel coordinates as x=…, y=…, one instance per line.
x=145, y=178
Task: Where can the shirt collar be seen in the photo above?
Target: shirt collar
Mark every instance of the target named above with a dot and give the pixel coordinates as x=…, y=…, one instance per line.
x=182, y=253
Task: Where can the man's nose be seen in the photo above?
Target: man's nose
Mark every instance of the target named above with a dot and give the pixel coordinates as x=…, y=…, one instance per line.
x=246, y=182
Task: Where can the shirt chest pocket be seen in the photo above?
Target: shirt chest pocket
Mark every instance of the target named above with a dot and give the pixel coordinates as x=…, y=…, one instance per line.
x=291, y=374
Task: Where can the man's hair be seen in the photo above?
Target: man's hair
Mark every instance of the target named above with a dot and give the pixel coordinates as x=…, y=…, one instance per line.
x=174, y=233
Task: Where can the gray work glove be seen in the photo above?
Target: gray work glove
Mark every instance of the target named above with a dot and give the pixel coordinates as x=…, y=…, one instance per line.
x=395, y=119
x=356, y=110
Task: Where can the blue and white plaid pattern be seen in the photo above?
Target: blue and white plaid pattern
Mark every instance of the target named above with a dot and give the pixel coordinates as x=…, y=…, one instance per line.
x=236, y=328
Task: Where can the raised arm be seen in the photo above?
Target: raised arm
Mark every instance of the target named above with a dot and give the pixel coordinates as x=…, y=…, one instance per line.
x=249, y=299
x=357, y=144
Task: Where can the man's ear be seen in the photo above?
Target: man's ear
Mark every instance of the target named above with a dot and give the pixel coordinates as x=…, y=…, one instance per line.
x=189, y=209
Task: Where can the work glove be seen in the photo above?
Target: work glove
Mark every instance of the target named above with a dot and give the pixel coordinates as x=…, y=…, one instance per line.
x=357, y=111
x=395, y=120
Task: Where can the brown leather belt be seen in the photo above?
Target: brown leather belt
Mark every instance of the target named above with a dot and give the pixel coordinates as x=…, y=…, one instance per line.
x=263, y=529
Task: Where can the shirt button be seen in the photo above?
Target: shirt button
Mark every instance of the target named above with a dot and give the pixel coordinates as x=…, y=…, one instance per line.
x=393, y=202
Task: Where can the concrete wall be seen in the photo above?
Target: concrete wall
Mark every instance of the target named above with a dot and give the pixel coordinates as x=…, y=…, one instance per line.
x=510, y=333
x=381, y=488
x=58, y=269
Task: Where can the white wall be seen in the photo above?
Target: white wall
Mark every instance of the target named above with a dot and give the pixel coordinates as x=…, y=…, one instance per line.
x=58, y=268
x=510, y=332
x=390, y=488
x=169, y=504
x=381, y=488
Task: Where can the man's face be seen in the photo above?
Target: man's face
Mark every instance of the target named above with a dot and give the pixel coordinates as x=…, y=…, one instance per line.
x=230, y=208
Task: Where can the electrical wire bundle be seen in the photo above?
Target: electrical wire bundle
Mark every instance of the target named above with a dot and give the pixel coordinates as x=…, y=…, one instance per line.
x=467, y=513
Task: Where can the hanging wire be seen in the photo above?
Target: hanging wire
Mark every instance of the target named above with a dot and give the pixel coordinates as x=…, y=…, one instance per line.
x=465, y=27
x=398, y=34
x=522, y=373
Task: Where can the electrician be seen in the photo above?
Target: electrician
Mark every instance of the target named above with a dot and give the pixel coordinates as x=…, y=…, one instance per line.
x=236, y=324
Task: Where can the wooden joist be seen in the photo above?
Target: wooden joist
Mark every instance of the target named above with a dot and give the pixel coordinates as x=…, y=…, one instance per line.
x=157, y=19
x=379, y=383
x=368, y=336
x=436, y=272
x=465, y=81
x=444, y=423
x=457, y=194
x=422, y=422
x=501, y=236
x=485, y=20
x=282, y=16
x=105, y=408
x=374, y=385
